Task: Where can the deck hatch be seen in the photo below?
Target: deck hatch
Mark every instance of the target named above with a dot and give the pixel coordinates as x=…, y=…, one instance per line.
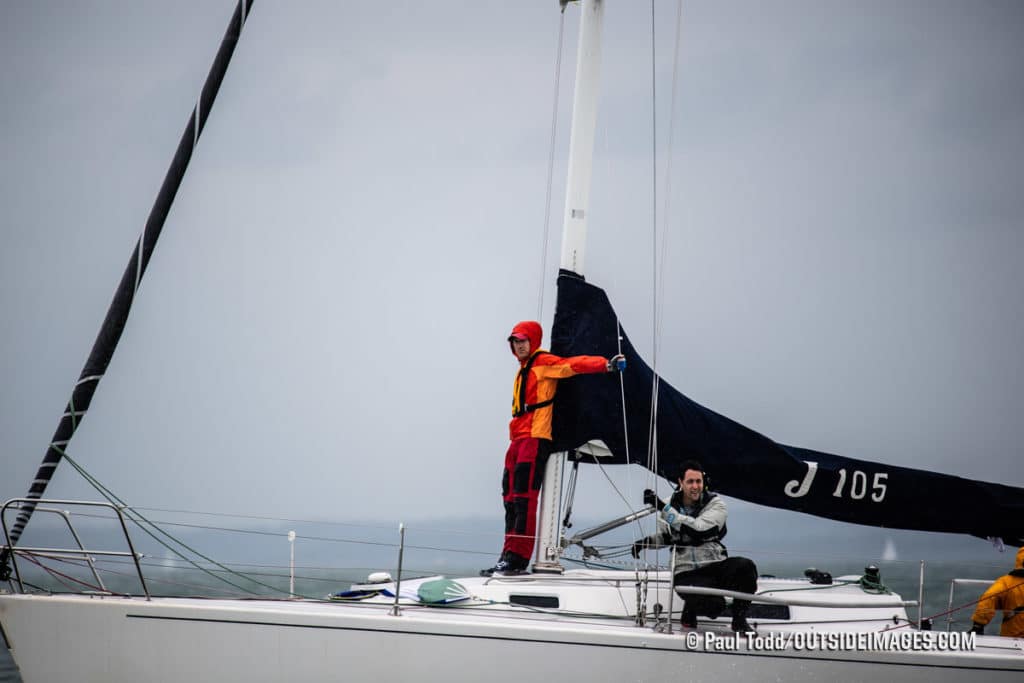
x=546, y=601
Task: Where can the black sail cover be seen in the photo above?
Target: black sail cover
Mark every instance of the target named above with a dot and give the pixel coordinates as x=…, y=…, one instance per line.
x=743, y=463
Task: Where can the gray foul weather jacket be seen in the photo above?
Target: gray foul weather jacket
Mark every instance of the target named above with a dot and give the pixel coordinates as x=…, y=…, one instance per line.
x=697, y=536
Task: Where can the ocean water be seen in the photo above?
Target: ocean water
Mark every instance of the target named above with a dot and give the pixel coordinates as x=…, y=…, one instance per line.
x=8, y=669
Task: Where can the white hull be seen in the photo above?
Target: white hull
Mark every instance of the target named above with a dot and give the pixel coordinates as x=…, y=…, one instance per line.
x=113, y=639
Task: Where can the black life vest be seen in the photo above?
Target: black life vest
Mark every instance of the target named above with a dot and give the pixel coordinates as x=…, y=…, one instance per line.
x=688, y=537
x=520, y=400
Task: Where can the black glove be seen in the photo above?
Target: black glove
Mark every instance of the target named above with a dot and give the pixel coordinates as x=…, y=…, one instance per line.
x=651, y=498
x=977, y=628
x=639, y=546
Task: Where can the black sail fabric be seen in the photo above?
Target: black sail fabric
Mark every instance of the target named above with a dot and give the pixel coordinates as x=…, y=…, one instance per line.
x=743, y=463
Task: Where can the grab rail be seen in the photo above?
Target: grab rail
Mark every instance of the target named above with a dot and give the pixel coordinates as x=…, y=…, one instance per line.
x=81, y=551
x=952, y=586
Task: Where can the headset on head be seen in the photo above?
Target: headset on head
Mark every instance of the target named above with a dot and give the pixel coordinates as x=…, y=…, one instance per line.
x=691, y=465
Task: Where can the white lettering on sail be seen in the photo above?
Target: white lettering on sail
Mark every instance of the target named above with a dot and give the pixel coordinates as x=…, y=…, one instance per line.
x=859, y=485
x=838, y=493
x=798, y=489
x=879, y=487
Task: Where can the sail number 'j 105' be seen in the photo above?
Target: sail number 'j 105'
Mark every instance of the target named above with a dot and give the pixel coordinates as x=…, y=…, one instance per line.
x=857, y=490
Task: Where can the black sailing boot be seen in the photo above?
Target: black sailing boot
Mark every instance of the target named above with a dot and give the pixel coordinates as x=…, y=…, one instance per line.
x=500, y=566
x=689, y=618
x=739, y=616
x=509, y=564
x=517, y=564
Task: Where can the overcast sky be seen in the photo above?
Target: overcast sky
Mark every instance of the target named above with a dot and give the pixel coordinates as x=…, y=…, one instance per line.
x=321, y=330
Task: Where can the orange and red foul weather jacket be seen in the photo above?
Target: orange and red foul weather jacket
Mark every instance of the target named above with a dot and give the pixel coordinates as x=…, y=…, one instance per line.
x=536, y=382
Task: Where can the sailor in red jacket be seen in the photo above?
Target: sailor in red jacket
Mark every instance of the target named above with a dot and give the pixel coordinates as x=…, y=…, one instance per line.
x=530, y=432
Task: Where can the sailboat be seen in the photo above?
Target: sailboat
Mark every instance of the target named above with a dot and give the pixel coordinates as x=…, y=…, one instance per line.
x=581, y=624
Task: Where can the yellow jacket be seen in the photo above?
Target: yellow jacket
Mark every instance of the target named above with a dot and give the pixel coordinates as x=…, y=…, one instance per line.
x=1006, y=594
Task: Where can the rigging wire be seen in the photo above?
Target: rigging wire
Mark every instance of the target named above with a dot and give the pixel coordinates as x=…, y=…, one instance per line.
x=666, y=212
x=546, y=231
x=622, y=389
x=642, y=571
x=659, y=307
x=58, y=575
x=659, y=253
x=301, y=521
x=658, y=256
x=652, y=426
x=78, y=563
x=142, y=523
x=611, y=482
x=570, y=495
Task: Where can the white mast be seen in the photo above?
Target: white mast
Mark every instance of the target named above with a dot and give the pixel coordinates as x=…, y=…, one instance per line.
x=574, y=233
x=581, y=137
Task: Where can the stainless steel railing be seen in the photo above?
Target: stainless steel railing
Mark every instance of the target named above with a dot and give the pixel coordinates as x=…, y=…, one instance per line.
x=81, y=551
x=952, y=587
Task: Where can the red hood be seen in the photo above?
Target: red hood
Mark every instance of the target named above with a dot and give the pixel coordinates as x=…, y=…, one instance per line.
x=532, y=330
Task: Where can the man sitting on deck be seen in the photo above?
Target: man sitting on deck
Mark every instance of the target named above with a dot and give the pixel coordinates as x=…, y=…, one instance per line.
x=694, y=523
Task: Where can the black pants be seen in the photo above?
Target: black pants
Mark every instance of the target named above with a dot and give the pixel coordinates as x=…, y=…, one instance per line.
x=733, y=574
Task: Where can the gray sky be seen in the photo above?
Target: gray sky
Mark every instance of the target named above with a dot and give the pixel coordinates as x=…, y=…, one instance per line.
x=321, y=330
